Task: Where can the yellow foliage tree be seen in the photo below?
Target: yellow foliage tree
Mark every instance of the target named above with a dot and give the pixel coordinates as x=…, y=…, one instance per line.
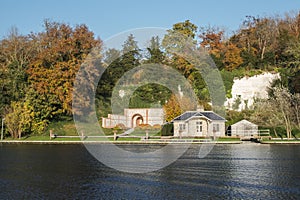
x=176, y=106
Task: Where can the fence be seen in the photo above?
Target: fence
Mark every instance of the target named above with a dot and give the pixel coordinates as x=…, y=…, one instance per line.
x=249, y=133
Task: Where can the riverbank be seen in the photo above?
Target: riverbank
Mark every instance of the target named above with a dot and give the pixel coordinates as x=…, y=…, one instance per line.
x=281, y=142
x=44, y=139
x=126, y=140
x=117, y=142
x=142, y=142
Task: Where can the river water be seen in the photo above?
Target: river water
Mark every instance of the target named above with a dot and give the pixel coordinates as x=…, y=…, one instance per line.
x=240, y=171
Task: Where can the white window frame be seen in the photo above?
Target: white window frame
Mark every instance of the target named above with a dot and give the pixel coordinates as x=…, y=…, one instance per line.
x=216, y=127
x=182, y=127
x=199, y=126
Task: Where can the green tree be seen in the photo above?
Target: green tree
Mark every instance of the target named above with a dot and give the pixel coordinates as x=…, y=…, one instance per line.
x=182, y=34
x=111, y=55
x=130, y=44
x=150, y=95
x=178, y=41
x=295, y=103
x=186, y=28
x=16, y=54
x=118, y=66
x=13, y=119
x=154, y=50
x=278, y=110
x=18, y=119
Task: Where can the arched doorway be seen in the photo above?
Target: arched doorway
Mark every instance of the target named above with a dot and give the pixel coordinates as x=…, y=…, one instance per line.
x=136, y=120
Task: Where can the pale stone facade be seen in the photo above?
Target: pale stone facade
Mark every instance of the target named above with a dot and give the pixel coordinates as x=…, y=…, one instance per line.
x=135, y=116
x=199, y=123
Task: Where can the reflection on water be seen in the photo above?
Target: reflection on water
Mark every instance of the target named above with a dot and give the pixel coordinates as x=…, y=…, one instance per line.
x=249, y=171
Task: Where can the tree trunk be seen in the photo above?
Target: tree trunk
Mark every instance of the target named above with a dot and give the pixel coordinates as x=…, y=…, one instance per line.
x=263, y=50
x=275, y=132
x=15, y=134
x=297, y=112
x=287, y=127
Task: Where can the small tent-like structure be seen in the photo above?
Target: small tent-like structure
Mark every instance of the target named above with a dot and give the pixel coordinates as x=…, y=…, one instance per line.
x=243, y=128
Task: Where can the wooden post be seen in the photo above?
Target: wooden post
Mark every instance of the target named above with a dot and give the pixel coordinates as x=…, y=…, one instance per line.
x=82, y=135
x=214, y=136
x=51, y=134
x=115, y=134
x=147, y=135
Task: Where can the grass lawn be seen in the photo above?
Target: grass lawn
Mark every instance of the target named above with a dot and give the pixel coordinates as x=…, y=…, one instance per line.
x=228, y=139
x=62, y=128
x=280, y=141
x=128, y=139
x=67, y=128
x=43, y=138
x=120, y=139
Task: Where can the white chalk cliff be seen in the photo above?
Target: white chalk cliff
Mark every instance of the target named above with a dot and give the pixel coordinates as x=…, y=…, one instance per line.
x=247, y=89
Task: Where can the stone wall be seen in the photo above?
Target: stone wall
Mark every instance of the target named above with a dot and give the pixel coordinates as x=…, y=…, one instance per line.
x=132, y=117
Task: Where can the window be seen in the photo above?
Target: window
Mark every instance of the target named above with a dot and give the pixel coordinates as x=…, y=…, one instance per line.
x=199, y=127
x=181, y=127
x=216, y=128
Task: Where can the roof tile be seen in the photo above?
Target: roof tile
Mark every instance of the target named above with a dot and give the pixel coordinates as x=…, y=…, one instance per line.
x=209, y=114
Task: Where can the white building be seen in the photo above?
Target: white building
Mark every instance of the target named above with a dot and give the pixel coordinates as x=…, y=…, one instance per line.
x=199, y=123
x=243, y=128
x=135, y=116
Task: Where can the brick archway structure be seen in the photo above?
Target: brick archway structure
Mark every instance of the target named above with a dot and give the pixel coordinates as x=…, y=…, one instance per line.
x=136, y=120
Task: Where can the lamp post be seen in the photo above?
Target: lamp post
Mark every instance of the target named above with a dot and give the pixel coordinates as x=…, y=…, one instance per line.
x=2, y=124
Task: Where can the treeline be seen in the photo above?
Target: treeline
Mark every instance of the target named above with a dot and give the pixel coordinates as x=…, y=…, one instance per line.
x=37, y=73
x=261, y=43
x=37, y=70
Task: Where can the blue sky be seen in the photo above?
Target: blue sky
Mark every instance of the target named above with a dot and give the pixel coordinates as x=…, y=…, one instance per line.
x=106, y=18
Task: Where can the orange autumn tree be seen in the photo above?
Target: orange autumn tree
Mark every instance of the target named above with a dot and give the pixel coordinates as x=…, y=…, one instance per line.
x=212, y=40
x=226, y=54
x=232, y=57
x=61, y=51
x=176, y=106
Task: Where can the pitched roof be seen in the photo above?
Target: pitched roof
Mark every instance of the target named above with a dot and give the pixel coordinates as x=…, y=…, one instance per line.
x=208, y=114
x=211, y=115
x=185, y=116
x=244, y=122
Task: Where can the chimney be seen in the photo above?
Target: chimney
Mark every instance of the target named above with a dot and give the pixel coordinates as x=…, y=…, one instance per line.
x=200, y=108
